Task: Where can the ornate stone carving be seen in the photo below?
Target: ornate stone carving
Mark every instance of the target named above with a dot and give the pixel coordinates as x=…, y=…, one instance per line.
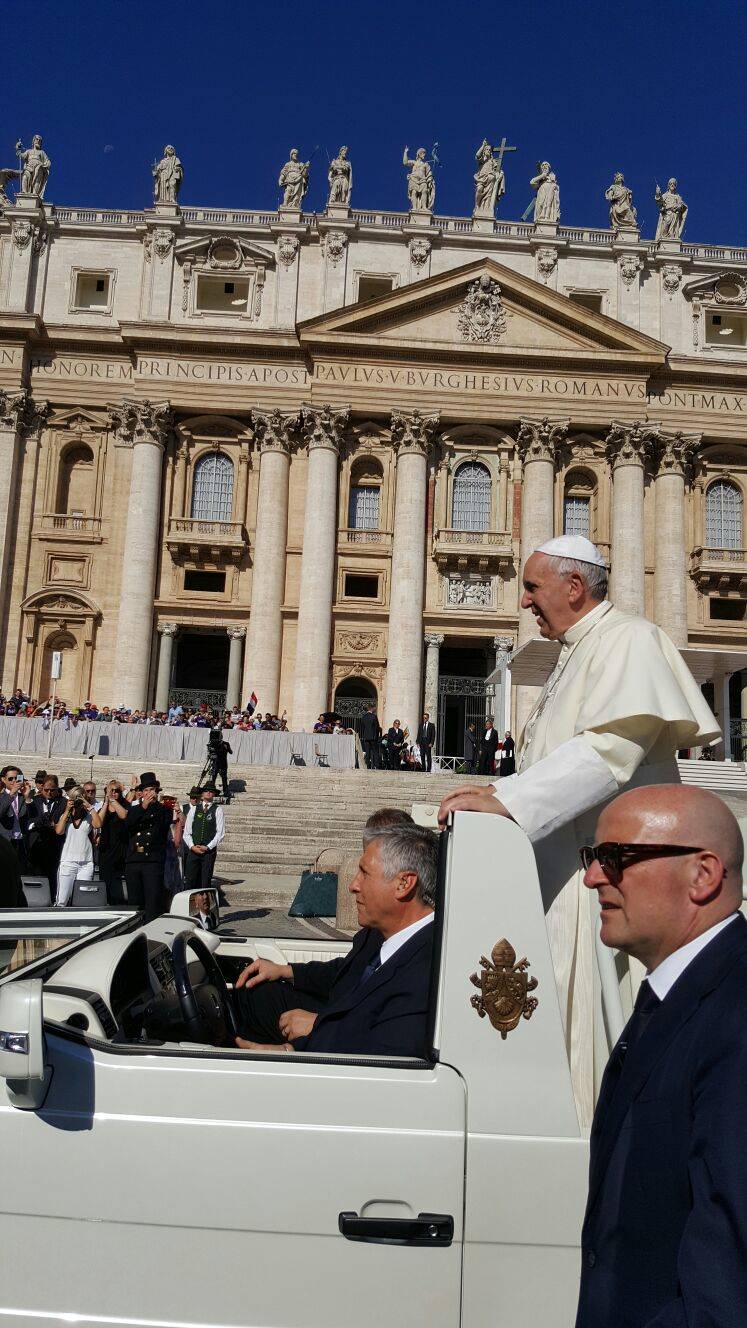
x=490, y=178
x=421, y=182
x=542, y=440
x=24, y=232
x=434, y=639
x=335, y=244
x=340, y=177
x=730, y=288
x=12, y=408
x=503, y=648
x=623, y=215
x=275, y=430
x=294, y=181
x=35, y=415
x=675, y=453
x=323, y=426
x=629, y=265
x=236, y=633
x=168, y=629
x=168, y=174
x=671, y=276
x=6, y=175
x=159, y=242
x=141, y=422
x=631, y=444
x=287, y=249
x=482, y=317
x=672, y=212
x=419, y=248
x=360, y=642
x=547, y=202
x=411, y=431
x=35, y=167
x=546, y=260
x=464, y=594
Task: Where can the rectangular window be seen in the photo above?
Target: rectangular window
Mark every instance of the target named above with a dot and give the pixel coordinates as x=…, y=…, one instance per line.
x=726, y=330
x=92, y=290
x=363, y=509
x=728, y=610
x=577, y=517
x=212, y=583
x=218, y=296
x=361, y=587
x=369, y=288
x=589, y=299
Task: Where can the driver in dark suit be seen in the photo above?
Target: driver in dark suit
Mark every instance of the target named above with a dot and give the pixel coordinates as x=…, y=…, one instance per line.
x=374, y=1001
x=371, y=738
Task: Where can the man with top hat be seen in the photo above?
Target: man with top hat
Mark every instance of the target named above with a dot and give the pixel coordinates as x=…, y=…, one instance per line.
x=148, y=824
x=616, y=708
x=203, y=833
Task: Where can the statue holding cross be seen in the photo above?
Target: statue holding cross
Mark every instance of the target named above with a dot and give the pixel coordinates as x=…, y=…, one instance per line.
x=490, y=179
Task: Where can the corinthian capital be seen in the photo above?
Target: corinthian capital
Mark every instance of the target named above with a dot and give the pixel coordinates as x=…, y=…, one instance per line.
x=275, y=430
x=323, y=426
x=141, y=422
x=541, y=440
x=631, y=444
x=413, y=431
x=12, y=408
x=675, y=453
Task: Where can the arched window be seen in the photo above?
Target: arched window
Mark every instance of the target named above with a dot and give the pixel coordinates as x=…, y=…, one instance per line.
x=212, y=493
x=470, y=509
x=724, y=515
x=578, y=504
x=364, y=506
x=75, y=483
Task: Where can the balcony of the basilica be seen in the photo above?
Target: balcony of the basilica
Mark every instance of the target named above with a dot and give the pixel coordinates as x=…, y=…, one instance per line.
x=479, y=550
x=213, y=541
x=368, y=541
x=69, y=527
x=720, y=570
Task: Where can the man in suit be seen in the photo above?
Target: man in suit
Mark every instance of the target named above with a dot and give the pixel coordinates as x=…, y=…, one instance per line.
x=373, y=1001
x=663, y=1242
x=45, y=845
x=371, y=738
x=426, y=739
x=15, y=812
x=488, y=748
x=471, y=746
x=508, y=756
x=394, y=742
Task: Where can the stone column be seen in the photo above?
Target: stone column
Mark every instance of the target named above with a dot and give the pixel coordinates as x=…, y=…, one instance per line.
x=13, y=407
x=412, y=435
x=323, y=429
x=20, y=418
x=276, y=434
x=29, y=234
x=145, y=427
x=629, y=448
x=236, y=636
x=540, y=444
x=433, y=643
x=503, y=648
x=180, y=479
x=674, y=456
x=167, y=632
x=502, y=521
x=722, y=711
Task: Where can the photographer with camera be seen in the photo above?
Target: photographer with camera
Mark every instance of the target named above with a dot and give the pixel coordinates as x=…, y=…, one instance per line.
x=112, y=843
x=148, y=823
x=76, y=859
x=16, y=797
x=218, y=750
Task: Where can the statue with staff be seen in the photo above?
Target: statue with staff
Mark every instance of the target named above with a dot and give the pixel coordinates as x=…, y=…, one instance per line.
x=421, y=182
x=34, y=167
x=294, y=180
x=672, y=212
x=490, y=178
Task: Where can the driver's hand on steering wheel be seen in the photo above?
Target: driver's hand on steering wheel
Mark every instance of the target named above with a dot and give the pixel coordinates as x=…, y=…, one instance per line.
x=263, y=970
x=296, y=1024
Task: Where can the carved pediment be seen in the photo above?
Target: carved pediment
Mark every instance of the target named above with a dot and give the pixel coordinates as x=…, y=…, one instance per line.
x=77, y=420
x=726, y=287
x=224, y=253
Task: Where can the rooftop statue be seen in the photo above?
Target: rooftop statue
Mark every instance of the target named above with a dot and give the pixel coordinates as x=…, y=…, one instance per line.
x=5, y=177
x=340, y=177
x=672, y=212
x=490, y=178
x=623, y=215
x=421, y=183
x=547, y=202
x=35, y=167
x=294, y=181
x=168, y=174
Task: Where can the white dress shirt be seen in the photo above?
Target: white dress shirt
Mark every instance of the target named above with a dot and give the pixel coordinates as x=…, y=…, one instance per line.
x=662, y=978
x=220, y=827
x=400, y=938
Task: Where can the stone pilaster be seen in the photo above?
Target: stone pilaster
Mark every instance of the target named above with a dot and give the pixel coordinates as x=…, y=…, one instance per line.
x=28, y=230
x=235, y=636
x=21, y=422
x=629, y=450
x=276, y=433
x=166, y=633
x=412, y=436
x=323, y=428
x=674, y=455
x=180, y=479
x=502, y=520
x=159, y=251
x=503, y=647
x=433, y=643
x=145, y=427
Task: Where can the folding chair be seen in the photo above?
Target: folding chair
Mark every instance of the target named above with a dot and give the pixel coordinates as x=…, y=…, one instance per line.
x=321, y=758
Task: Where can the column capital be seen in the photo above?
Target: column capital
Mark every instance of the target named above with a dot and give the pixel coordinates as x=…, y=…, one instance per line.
x=324, y=426
x=237, y=633
x=167, y=629
x=631, y=444
x=12, y=408
x=412, y=432
x=541, y=440
x=434, y=639
x=276, y=430
x=675, y=453
x=141, y=422
x=503, y=644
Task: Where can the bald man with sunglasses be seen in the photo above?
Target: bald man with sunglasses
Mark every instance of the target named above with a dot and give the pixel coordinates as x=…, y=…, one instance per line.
x=665, y=1234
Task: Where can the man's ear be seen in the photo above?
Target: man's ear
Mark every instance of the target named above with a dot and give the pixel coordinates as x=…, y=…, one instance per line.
x=708, y=878
x=407, y=884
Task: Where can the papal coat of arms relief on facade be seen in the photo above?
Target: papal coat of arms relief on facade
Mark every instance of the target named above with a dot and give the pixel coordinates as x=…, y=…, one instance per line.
x=482, y=316
x=504, y=989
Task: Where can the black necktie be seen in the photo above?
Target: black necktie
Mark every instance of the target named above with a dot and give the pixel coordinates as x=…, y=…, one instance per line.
x=370, y=969
x=645, y=1003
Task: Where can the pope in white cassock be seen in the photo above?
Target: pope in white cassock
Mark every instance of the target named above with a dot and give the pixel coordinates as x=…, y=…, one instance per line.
x=617, y=707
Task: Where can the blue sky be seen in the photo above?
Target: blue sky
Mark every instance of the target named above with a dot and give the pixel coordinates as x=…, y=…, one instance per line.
x=651, y=89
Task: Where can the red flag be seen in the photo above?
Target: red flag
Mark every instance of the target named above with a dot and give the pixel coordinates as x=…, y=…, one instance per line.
x=252, y=704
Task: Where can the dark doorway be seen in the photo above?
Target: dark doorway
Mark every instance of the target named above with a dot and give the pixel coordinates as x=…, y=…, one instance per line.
x=352, y=699
x=201, y=672
x=462, y=695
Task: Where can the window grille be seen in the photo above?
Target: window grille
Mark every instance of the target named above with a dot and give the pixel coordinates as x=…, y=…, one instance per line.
x=471, y=503
x=363, y=510
x=212, y=495
x=724, y=515
x=577, y=517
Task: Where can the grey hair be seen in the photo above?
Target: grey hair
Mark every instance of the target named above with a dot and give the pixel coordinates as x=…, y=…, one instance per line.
x=387, y=818
x=594, y=578
x=411, y=849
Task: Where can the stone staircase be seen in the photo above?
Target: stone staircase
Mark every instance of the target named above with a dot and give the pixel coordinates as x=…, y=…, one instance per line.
x=723, y=777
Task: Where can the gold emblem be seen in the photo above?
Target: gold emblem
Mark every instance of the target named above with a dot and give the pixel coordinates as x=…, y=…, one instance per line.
x=504, y=989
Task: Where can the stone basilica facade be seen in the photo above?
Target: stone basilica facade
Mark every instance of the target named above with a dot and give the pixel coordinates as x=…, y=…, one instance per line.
x=306, y=454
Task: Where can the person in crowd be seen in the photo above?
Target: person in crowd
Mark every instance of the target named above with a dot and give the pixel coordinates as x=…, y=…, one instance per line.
x=664, y=1235
x=16, y=800
x=148, y=826
x=470, y=748
x=112, y=843
x=173, y=869
x=200, y=908
x=507, y=764
x=370, y=734
x=39, y=779
x=89, y=793
x=203, y=832
x=219, y=751
x=45, y=845
x=426, y=739
x=373, y=1001
x=394, y=740
x=75, y=827
x=488, y=748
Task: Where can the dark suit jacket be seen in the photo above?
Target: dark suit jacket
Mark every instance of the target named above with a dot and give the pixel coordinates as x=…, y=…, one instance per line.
x=666, y=1221
x=42, y=824
x=370, y=728
x=6, y=816
x=489, y=744
x=395, y=737
x=387, y=1015
x=471, y=742
x=426, y=735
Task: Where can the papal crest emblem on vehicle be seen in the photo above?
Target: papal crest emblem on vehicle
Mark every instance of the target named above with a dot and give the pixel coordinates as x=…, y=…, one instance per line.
x=482, y=316
x=504, y=989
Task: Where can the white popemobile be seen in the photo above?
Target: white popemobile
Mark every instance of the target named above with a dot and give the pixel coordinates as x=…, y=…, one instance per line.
x=154, y=1176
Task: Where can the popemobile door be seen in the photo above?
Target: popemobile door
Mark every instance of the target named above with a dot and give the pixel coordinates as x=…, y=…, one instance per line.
x=182, y=1186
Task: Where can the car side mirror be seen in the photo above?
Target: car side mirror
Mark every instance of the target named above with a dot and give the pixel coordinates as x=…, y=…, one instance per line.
x=22, y=1043
x=200, y=905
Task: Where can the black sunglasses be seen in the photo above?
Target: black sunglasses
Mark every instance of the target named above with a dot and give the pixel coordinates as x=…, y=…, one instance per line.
x=613, y=857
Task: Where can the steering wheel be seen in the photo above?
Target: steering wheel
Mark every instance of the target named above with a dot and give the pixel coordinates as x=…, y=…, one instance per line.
x=207, y=1011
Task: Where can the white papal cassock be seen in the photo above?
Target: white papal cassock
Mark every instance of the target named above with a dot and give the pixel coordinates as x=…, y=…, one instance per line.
x=618, y=706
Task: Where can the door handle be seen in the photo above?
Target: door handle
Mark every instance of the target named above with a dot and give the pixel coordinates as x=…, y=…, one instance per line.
x=425, y=1229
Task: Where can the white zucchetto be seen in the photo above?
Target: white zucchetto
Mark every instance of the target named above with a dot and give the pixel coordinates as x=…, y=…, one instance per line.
x=573, y=546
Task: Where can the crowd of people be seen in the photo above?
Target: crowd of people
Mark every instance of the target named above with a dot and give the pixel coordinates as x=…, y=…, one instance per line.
x=145, y=845
x=203, y=716
x=485, y=753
